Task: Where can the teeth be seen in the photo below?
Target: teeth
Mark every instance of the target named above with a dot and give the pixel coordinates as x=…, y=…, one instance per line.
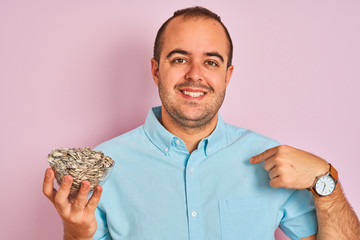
x=193, y=94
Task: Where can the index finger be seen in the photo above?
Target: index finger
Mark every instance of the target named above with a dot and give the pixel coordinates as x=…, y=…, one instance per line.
x=264, y=155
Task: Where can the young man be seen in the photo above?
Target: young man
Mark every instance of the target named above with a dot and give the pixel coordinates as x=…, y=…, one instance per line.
x=185, y=174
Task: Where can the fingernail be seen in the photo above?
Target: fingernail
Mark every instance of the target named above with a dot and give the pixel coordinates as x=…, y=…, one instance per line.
x=98, y=188
x=85, y=186
x=67, y=180
x=48, y=173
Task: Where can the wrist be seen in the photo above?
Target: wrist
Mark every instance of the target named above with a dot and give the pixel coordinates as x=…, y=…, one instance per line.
x=70, y=235
x=326, y=203
x=325, y=185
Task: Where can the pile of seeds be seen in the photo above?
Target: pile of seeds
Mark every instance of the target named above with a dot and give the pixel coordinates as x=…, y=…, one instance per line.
x=82, y=164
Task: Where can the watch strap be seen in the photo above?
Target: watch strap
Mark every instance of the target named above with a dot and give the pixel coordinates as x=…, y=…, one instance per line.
x=312, y=189
x=332, y=172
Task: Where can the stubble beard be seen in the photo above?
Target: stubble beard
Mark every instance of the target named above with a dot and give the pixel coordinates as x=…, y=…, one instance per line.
x=204, y=114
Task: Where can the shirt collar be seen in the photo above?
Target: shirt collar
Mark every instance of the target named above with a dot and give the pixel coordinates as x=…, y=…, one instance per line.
x=156, y=132
x=217, y=139
x=163, y=139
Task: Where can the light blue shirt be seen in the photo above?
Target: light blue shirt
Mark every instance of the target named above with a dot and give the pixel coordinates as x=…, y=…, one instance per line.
x=158, y=191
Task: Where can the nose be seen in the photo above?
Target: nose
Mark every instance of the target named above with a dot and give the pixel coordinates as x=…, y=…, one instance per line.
x=194, y=72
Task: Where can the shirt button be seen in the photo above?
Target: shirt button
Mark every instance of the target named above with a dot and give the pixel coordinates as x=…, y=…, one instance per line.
x=177, y=141
x=194, y=214
x=166, y=149
x=191, y=170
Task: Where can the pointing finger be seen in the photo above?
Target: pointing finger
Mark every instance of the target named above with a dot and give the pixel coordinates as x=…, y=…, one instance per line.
x=263, y=156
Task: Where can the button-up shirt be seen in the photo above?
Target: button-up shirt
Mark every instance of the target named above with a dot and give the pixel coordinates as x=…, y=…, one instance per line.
x=157, y=190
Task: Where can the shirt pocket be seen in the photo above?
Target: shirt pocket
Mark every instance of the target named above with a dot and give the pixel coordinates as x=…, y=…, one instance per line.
x=245, y=219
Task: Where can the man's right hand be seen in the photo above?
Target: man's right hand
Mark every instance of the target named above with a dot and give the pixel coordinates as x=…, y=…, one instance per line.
x=77, y=213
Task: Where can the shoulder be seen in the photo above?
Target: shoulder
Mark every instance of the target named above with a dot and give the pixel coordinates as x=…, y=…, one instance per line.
x=236, y=134
x=123, y=141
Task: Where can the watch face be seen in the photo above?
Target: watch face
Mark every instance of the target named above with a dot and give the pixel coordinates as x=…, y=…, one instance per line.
x=325, y=185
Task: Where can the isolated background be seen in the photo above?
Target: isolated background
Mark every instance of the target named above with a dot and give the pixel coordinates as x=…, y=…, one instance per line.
x=76, y=73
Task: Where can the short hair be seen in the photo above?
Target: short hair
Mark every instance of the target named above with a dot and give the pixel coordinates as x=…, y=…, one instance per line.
x=192, y=12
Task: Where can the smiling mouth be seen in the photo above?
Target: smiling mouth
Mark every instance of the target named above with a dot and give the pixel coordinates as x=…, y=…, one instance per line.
x=193, y=94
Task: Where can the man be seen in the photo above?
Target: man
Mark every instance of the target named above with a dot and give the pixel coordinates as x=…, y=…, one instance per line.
x=185, y=174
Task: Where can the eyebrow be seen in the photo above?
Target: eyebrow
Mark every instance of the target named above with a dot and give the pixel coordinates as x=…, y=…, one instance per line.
x=177, y=51
x=215, y=54
x=183, y=52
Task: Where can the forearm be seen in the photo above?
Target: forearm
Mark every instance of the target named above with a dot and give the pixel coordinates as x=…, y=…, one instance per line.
x=336, y=218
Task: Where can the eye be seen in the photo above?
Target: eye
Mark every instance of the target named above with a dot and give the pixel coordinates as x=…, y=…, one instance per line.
x=211, y=63
x=179, y=60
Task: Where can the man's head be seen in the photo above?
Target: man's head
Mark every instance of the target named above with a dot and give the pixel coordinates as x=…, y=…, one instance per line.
x=192, y=69
x=193, y=12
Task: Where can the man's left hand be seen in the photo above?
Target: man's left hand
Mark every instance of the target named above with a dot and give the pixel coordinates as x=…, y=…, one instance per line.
x=289, y=167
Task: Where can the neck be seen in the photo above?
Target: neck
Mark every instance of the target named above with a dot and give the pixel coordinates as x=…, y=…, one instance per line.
x=191, y=136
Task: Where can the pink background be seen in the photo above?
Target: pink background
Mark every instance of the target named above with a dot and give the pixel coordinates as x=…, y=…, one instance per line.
x=76, y=73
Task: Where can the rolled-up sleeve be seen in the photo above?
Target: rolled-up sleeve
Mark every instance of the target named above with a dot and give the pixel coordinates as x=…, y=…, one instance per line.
x=298, y=214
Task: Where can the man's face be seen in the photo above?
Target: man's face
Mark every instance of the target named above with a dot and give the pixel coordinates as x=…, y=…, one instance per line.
x=192, y=75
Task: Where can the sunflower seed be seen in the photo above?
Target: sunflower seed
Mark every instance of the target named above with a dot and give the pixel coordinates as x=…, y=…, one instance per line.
x=82, y=164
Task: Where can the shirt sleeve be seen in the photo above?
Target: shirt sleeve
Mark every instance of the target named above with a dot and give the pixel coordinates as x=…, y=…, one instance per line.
x=298, y=214
x=102, y=232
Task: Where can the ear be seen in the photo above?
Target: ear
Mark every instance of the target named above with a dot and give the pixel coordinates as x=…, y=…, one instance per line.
x=155, y=71
x=229, y=72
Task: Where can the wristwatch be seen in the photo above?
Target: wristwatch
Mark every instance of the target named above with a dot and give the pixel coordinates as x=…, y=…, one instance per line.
x=325, y=185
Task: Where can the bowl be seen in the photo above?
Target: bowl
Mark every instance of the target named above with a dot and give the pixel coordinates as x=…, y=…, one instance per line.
x=82, y=164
